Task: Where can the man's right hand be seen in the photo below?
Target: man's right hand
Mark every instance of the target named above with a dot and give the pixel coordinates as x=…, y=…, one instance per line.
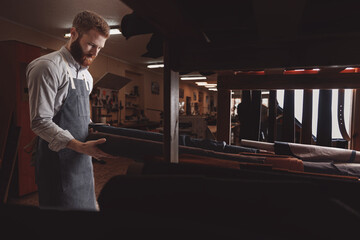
x=89, y=148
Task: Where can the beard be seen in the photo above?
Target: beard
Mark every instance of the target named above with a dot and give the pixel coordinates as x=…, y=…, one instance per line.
x=78, y=54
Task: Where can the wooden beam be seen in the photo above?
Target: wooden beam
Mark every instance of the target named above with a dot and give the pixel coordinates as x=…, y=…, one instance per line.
x=245, y=115
x=256, y=116
x=223, y=121
x=306, y=130
x=272, y=116
x=314, y=52
x=171, y=109
x=277, y=81
x=355, y=120
x=324, y=126
x=288, y=126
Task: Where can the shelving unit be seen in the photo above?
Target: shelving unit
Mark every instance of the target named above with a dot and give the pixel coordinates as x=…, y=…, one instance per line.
x=109, y=82
x=132, y=108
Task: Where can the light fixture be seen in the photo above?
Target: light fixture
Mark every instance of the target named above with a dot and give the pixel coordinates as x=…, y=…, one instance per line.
x=161, y=65
x=201, y=83
x=193, y=78
x=113, y=31
x=211, y=85
x=213, y=89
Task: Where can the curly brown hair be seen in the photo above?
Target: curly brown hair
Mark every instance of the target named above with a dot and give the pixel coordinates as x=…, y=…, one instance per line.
x=87, y=20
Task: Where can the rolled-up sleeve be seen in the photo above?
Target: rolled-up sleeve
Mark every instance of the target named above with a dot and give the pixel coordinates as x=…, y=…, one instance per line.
x=43, y=81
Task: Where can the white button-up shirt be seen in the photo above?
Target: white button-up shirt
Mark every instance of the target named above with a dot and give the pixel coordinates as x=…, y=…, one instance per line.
x=48, y=85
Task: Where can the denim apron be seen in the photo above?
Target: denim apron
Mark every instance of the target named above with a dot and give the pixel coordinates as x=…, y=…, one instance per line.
x=65, y=179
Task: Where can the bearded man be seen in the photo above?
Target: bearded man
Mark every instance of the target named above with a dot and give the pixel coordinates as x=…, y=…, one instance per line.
x=59, y=86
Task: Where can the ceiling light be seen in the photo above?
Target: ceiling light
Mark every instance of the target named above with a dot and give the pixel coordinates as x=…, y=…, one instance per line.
x=113, y=31
x=349, y=68
x=211, y=85
x=193, y=78
x=213, y=89
x=201, y=83
x=155, y=65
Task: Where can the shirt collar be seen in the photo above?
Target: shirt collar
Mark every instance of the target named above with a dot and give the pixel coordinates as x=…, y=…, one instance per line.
x=70, y=59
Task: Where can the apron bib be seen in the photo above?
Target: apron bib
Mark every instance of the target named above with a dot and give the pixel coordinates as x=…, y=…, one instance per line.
x=65, y=179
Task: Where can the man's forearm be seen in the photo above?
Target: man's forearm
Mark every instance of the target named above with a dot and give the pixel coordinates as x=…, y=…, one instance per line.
x=89, y=148
x=57, y=137
x=76, y=145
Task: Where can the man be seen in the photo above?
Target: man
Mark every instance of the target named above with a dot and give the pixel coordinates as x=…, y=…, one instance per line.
x=59, y=87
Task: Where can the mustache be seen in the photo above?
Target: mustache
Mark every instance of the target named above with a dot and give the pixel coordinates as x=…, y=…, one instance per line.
x=88, y=59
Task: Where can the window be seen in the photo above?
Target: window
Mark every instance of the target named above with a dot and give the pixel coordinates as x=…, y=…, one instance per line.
x=335, y=125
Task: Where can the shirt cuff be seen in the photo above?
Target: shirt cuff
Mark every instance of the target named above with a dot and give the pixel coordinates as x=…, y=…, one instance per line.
x=60, y=141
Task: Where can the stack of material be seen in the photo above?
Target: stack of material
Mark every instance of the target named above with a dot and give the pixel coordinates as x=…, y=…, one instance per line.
x=316, y=159
x=128, y=142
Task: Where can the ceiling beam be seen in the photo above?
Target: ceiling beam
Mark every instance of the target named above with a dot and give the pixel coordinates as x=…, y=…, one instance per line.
x=330, y=51
x=277, y=81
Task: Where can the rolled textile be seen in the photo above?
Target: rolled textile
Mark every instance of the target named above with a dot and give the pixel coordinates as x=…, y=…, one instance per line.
x=221, y=155
x=136, y=133
x=288, y=163
x=142, y=148
x=280, y=161
x=186, y=158
x=137, y=148
x=257, y=144
x=344, y=169
x=184, y=140
x=218, y=146
x=307, y=152
x=314, y=153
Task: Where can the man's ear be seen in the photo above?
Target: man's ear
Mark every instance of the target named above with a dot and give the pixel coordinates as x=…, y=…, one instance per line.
x=74, y=34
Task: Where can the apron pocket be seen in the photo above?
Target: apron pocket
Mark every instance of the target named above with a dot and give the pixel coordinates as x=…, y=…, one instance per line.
x=83, y=106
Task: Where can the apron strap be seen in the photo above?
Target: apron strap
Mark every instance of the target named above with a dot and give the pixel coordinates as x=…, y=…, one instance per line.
x=86, y=83
x=69, y=73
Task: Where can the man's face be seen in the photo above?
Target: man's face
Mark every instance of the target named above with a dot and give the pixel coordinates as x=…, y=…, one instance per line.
x=87, y=46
